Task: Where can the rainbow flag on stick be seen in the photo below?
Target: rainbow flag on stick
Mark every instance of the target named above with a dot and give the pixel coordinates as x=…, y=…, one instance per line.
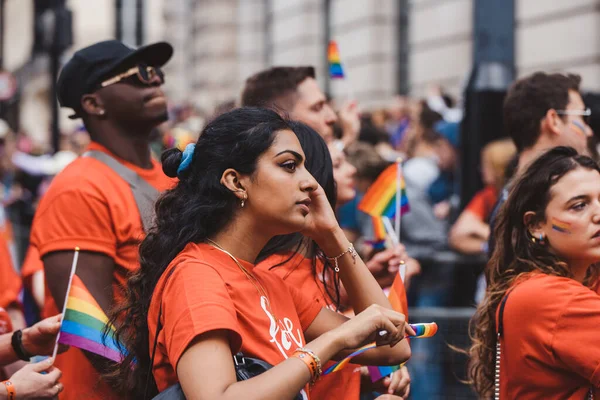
x=380, y=199
x=423, y=331
x=336, y=71
x=84, y=321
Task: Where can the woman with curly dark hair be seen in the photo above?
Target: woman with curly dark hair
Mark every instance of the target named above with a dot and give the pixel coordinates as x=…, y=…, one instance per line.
x=536, y=334
x=198, y=300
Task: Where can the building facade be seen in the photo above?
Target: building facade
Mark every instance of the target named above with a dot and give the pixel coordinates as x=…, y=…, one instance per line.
x=386, y=46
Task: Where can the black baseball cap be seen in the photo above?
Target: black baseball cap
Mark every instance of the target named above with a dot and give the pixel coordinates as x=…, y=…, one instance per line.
x=91, y=65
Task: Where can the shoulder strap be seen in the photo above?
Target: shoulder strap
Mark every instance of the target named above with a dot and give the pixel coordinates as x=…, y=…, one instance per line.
x=499, y=347
x=145, y=195
x=501, y=314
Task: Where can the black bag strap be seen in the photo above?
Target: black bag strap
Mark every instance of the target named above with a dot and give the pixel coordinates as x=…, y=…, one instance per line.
x=145, y=195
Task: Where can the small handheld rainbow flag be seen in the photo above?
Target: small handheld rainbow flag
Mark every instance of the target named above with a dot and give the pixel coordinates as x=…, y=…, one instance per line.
x=397, y=296
x=83, y=321
x=378, y=229
x=380, y=199
x=336, y=71
x=422, y=330
x=399, y=302
x=83, y=324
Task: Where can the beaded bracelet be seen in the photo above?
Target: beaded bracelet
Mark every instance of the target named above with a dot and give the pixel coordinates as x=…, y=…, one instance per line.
x=350, y=250
x=10, y=388
x=312, y=361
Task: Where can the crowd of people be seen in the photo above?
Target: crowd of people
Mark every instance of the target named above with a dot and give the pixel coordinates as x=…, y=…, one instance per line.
x=215, y=242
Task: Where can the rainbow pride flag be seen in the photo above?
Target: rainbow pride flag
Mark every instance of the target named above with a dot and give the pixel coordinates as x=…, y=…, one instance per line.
x=397, y=296
x=425, y=330
x=380, y=199
x=378, y=229
x=398, y=301
x=83, y=324
x=336, y=71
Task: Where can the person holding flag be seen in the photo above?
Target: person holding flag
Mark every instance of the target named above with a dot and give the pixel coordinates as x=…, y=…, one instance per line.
x=298, y=260
x=199, y=298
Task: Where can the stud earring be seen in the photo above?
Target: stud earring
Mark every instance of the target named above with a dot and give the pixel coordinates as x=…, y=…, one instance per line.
x=101, y=112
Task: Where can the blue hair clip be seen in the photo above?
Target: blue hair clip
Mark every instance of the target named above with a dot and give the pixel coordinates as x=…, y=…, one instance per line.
x=186, y=158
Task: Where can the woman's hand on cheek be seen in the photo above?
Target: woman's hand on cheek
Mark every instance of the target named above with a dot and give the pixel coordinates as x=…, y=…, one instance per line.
x=321, y=220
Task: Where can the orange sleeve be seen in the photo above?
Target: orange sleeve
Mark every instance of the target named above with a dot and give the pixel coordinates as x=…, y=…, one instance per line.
x=195, y=301
x=575, y=341
x=477, y=205
x=307, y=307
x=10, y=281
x=75, y=217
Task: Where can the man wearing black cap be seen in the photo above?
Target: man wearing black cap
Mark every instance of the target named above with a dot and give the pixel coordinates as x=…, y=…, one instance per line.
x=102, y=201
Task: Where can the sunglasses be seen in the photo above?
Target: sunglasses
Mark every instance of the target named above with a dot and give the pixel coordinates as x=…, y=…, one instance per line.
x=585, y=114
x=141, y=73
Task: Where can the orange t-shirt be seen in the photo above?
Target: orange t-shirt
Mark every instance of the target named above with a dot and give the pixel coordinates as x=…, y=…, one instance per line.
x=298, y=272
x=482, y=204
x=551, y=340
x=10, y=282
x=208, y=291
x=90, y=206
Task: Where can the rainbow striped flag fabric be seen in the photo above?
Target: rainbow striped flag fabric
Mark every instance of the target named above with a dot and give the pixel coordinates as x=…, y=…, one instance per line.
x=378, y=229
x=83, y=324
x=336, y=71
x=397, y=296
x=399, y=302
x=380, y=199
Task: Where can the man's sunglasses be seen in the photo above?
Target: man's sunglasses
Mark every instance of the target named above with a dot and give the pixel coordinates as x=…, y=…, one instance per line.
x=142, y=73
x=585, y=114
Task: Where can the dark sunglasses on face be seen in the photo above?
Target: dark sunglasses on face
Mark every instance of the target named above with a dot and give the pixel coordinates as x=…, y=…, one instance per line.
x=141, y=73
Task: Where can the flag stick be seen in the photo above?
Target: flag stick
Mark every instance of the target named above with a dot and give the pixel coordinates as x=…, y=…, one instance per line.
x=73, y=268
x=391, y=234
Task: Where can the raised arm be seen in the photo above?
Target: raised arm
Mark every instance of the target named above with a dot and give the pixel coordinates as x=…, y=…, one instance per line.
x=362, y=288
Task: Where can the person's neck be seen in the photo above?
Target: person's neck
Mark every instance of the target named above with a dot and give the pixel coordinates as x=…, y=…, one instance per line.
x=579, y=269
x=529, y=155
x=129, y=145
x=242, y=238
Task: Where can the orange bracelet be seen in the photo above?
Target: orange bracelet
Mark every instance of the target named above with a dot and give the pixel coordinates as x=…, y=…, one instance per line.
x=10, y=388
x=312, y=361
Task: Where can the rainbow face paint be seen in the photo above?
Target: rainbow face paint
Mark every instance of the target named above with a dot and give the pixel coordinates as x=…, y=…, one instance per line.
x=561, y=226
x=579, y=127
